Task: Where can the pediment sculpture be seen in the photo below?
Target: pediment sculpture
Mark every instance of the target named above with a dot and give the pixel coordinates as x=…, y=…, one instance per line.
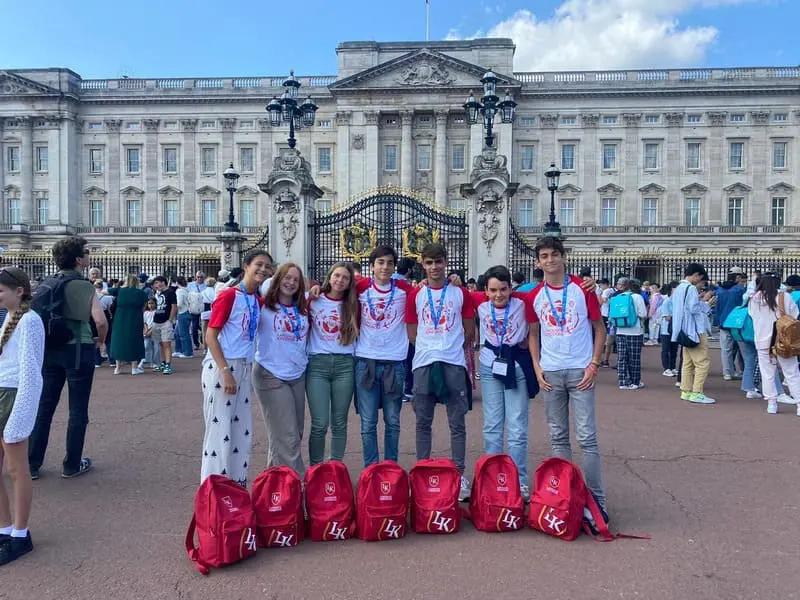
x=425, y=73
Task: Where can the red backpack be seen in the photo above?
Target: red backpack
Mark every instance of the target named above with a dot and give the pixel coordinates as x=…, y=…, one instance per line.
x=225, y=524
x=278, y=503
x=382, y=503
x=559, y=497
x=496, y=502
x=435, y=484
x=330, y=502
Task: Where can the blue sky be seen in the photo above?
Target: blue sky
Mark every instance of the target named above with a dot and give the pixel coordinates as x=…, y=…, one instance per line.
x=172, y=38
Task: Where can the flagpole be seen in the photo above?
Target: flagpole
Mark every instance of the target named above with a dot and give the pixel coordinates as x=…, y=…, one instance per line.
x=427, y=20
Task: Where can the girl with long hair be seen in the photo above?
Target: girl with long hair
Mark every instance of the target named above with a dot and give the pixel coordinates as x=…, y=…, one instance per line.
x=226, y=373
x=281, y=360
x=21, y=358
x=330, y=378
x=766, y=305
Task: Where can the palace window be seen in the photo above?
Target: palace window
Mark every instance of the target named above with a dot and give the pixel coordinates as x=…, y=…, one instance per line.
x=134, y=213
x=247, y=213
x=424, y=157
x=735, y=209
x=526, y=210
x=568, y=157
x=650, y=212
x=457, y=157
x=610, y=120
x=736, y=156
x=566, y=213
x=247, y=159
x=14, y=214
x=778, y=212
x=608, y=212
x=95, y=161
x=779, y=155
x=692, y=212
x=208, y=160
x=170, y=160
x=131, y=160
x=651, y=157
x=209, y=213
x=693, y=155
x=42, y=208
x=42, y=159
x=694, y=119
x=171, y=215
x=528, y=158
x=390, y=158
x=96, y=216
x=568, y=120
x=324, y=159
x=12, y=159
x=609, y=157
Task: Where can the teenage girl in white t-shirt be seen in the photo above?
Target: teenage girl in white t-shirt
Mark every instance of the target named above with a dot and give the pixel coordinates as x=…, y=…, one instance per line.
x=330, y=376
x=21, y=357
x=281, y=360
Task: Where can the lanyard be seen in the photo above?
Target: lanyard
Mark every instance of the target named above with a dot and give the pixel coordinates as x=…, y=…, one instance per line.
x=434, y=314
x=369, y=300
x=296, y=323
x=252, y=311
x=500, y=335
x=562, y=320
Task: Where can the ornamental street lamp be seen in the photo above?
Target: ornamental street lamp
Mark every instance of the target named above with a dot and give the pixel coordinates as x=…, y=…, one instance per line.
x=490, y=106
x=552, y=228
x=285, y=109
x=231, y=176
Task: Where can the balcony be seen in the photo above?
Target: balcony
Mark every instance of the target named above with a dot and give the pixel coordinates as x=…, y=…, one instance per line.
x=157, y=230
x=666, y=229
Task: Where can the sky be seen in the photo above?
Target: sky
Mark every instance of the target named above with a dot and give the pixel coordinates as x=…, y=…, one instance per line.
x=201, y=38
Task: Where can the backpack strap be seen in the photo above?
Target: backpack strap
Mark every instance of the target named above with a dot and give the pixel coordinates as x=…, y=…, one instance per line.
x=194, y=555
x=602, y=527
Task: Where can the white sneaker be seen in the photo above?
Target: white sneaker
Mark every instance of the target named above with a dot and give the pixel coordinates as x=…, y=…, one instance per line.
x=786, y=399
x=116, y=370
x=701, y=399
x=677, y=384
x=798, y=410
x=526, y=493
x=674, y=373
x=754, y=395
x=637, y=386
x=772, y=407
x=667, y=373
x=464, y=493
x=137, y=371
x=727, y=377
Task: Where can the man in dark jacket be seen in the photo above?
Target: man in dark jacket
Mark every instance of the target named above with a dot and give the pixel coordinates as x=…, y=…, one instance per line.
x=729, y=296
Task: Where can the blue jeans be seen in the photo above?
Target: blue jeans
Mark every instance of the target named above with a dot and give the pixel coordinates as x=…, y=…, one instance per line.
x=728, y=352
x=152, y=353
x=503, y=408
x=748, y=350
x=370, y=401
x=183, y=342
x=557, y=402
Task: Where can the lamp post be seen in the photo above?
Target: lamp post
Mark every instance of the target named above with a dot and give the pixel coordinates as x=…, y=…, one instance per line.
x=231, y=176
x=285, y=109
x=489, y=107
x=552, y=228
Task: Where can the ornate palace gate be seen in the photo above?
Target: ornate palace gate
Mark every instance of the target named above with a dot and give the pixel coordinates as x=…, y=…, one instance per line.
x=388, y=215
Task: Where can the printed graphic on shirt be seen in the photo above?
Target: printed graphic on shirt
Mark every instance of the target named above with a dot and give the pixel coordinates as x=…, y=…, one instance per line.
x=285, y=326
x=327, y=322
x=382, y=334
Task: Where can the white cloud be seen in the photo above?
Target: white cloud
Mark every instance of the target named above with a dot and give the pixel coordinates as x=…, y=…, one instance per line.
x=607, y=34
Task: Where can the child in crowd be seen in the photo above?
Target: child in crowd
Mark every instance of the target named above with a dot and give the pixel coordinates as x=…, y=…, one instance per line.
x=152, y=353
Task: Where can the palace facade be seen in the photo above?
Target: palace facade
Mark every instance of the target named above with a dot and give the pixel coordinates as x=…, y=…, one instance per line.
x=654, y=162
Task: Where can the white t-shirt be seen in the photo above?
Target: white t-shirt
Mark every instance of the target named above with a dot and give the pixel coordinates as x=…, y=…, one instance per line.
x=606, y=295
x=572, y=346
x=230, y=314
x=764, y=317
x=279, y=349
x=383, y=335
x=516, y=328
x=326, y=323
x=148, y=318
x=443, y=341
x=641, y=312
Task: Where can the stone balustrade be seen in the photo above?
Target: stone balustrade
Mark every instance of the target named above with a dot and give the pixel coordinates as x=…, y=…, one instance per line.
x=104, y=86
x=542, y=79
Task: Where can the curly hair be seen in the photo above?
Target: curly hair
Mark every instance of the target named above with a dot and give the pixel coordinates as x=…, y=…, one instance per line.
x=66, y=252
x=13, y=278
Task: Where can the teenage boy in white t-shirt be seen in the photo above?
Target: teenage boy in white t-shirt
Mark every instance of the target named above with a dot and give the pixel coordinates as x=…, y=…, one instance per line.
x=564, y=319
x=381, y=351
x=441, y=324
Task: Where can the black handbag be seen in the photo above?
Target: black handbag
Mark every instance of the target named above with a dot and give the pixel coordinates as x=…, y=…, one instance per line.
x=683, y=339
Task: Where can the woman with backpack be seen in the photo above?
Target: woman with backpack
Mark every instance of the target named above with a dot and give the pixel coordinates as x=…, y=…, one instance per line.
x=21, y=358
x=226, y=373
x=765, y=307
x=330, y=378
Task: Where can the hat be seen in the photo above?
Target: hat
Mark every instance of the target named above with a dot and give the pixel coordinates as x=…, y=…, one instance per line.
x=223, y=274
x=792, y=281
x=736, y=271
x=143, y=277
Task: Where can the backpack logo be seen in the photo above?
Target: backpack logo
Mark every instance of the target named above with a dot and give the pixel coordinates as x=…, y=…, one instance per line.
x=433, y=481
x=276, y=498
x=386, y=487
x=335, y=532
x=249, y=539
x=555, y=524
x=330, y=488
x=502, y=479
x=508, y=519
x=442, y=523
x=280, y=539
x=226, y=500
x=554, y=482
x=391, y=530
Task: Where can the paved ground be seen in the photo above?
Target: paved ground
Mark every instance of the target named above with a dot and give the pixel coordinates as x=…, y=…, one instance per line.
x=718, y=488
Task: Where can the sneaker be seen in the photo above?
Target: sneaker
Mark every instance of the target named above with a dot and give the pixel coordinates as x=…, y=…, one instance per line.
x=178, y=355
x=754, y=395
x=772, y=406
x=408, y=397
x=637, y=386
x=604, y=363
x=526, y=493
x=737, y=377
x=686, y=395
x=786, y=399
x=624, y=387
x=674, y=373
x=35, y=473
x=727, y=378
x=677, y=384
x=4, y=537
x=14, y=548
x=84, y=467
x=116, y=370
x=167, y=369
x=798, y=410
x=464, y=492
x=158, y=368
x=137, y=371
x=701, y=399
x=667, y=373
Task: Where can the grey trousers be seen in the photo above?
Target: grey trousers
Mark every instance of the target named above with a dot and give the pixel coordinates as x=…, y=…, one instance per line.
x=457, y=404
x=283, y=404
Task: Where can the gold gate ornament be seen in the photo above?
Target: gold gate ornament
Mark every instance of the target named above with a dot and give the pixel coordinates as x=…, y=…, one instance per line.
x=357, y=241
x=416, y=238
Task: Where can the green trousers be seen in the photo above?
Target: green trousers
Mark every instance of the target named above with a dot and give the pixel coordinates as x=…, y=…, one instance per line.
x=329, y=387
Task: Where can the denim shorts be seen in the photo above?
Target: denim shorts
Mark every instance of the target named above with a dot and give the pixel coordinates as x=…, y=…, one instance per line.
x=7, y=397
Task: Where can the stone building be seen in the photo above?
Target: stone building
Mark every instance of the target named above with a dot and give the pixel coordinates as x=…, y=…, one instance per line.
x=656, y=164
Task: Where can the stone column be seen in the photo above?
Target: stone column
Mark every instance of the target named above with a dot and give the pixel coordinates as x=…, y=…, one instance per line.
x=189, y=171
x=406, y=150
x=549, y=154
x=72, y=202
x=711, y=209
x=440, y=161
x=3, y=207
x=670, y=213
x=588, y=163
x=152, y=207
x=116, y=212
x=54, y=171
x=228, y=151
x=757, y=208
x=26, y=170
x=292, y=194
x=371, y=154
x=488, y=196
x=343, y=156
x=628, y=213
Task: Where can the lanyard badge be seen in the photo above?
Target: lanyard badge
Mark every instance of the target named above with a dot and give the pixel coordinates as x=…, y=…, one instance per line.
x=388, y=304
x=252, y=312
x=436, y=315
x=561, y=320
x=296, y=323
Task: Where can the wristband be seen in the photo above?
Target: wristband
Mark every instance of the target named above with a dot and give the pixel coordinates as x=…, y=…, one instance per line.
x=227, y=368
x=593, y=368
